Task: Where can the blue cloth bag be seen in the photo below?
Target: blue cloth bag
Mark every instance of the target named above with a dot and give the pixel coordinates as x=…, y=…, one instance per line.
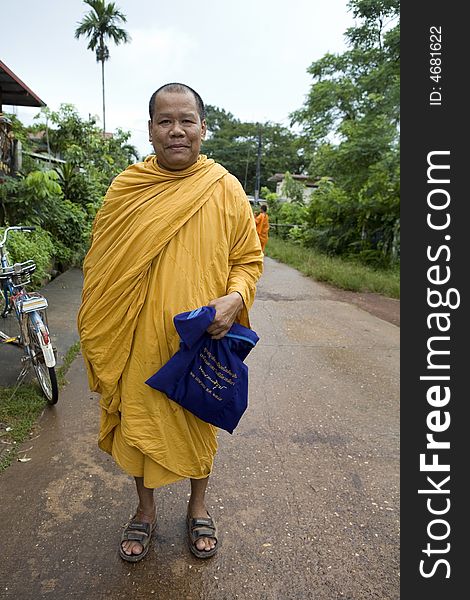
x=206, y=376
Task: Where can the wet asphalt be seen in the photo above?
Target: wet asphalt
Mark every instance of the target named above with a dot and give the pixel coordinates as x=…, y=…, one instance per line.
x=305, y=492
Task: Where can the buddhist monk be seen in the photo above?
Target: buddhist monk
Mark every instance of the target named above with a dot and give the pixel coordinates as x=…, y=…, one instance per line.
x=175, y=232
x=262, y=225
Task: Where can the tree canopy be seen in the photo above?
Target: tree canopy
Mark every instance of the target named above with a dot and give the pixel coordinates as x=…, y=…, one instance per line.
x=350, y=120
x=102, y=23
x=234, y=144
x=350, y=130
x=62, y=199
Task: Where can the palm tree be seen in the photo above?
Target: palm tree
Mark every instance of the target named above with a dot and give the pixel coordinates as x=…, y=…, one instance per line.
x=100, y=24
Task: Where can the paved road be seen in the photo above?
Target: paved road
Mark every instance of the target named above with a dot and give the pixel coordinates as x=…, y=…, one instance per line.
x=306, y=491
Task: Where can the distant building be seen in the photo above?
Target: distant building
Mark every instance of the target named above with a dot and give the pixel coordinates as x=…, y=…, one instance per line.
x=13, y=92
x=310, y=185
x=40, y=154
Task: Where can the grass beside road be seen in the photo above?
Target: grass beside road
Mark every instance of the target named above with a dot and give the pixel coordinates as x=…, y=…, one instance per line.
x=20, y=409
x=344, y=274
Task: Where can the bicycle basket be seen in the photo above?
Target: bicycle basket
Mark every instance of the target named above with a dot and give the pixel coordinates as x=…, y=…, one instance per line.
x=19, y=273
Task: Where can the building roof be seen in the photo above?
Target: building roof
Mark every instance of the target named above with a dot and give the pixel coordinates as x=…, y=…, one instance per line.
x=14, y=92
x=277, y=177
x=45, y=157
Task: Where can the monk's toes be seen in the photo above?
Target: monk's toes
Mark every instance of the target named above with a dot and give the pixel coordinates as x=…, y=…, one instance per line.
x=131, y=548
x=201, y=544
x=205, y=544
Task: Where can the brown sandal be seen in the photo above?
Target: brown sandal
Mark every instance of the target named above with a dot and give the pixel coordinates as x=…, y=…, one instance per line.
x=137, y=531
x=199, y=528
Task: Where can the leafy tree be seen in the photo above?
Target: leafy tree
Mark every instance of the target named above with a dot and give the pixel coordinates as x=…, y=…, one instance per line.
x=354, y=98
x=235, y=145
x=331, y=220
x=350, y=126
x=39, y=201
x=81, y=143
x=63, y=201
x=99, y=25
x=292, y=189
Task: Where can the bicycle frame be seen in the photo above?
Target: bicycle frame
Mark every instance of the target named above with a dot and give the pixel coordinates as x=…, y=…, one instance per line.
x=26, y=306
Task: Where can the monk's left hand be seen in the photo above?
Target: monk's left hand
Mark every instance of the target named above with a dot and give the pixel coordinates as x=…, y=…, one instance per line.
x=226, y=311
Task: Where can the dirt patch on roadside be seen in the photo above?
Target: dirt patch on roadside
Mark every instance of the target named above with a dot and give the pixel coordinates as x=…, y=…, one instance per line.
x=380, y=306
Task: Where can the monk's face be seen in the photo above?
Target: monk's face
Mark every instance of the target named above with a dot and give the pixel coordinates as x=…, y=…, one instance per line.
x=176, y=130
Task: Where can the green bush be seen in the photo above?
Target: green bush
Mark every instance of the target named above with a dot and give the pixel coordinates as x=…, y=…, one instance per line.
x=63, y=201
x=70, y=228
x=37, y=246
x=38, y=200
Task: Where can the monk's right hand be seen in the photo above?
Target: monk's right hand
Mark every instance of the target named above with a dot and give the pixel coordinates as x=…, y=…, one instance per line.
x=226, y=311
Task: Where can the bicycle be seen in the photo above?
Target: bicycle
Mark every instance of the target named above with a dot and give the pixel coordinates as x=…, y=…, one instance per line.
x=29, y=309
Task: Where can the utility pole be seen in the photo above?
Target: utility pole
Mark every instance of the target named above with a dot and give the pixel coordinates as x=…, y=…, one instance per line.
x=246, y=169
x=258, y=167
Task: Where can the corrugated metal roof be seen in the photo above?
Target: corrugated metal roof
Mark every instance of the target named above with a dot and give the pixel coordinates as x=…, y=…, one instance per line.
x=14, y=92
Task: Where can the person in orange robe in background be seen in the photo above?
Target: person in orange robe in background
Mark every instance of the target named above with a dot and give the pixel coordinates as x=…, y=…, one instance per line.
x=262, y=226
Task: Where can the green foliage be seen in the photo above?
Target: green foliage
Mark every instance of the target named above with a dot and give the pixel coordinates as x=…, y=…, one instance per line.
x=235, y=145
x=40, y=202
x=32, y=198
x=37, y=246
x=350, y=124
x=8, y=191
x=64, y=201
x=20, y=132
x=293, y=189
x=331, y=220
x=70, y=228
x=82, y=144
x=292, y=213
x=367, y=228
x=379, y=216
x=80, y=187
x=273, y=202
x=102, y=23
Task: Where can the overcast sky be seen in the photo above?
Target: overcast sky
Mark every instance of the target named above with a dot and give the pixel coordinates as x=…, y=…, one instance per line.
x=249, y=57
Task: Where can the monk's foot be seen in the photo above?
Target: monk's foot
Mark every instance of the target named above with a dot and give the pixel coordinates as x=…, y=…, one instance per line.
x=202, y=543
x=136, y=536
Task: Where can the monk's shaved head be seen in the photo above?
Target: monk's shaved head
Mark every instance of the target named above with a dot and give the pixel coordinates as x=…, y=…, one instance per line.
x=179, y=88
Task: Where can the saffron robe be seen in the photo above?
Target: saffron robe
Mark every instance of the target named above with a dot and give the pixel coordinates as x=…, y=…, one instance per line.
x=163, y=242
x=262, y=227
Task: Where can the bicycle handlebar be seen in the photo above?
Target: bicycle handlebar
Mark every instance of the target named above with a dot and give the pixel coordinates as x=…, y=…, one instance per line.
x=15, y=228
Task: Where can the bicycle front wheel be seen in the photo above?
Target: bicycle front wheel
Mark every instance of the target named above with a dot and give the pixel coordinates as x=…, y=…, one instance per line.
x=45, y=375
